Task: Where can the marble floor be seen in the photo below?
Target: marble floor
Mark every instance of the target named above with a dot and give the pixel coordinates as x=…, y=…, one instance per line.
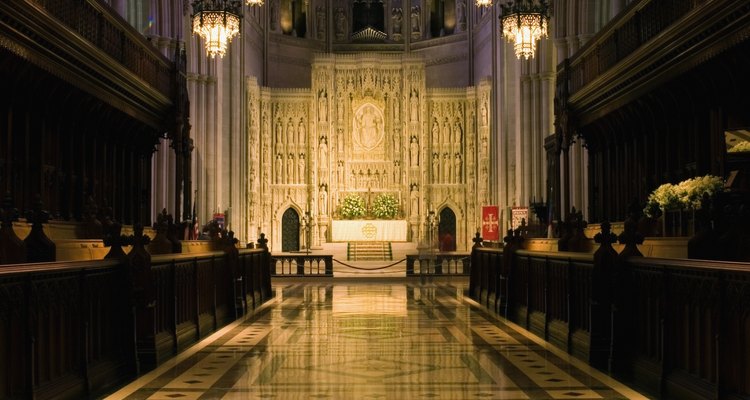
x=373, y=339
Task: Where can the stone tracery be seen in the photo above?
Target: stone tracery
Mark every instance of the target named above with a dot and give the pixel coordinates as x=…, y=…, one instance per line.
x=347, y=134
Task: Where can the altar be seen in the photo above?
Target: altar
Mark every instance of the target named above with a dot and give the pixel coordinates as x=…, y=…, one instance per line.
x=360, y=230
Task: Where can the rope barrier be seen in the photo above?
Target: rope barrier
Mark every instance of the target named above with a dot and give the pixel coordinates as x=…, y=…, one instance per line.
x=369, y=269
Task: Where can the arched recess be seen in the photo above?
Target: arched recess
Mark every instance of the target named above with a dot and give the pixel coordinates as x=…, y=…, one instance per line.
x=447, y=230
x=290, y=230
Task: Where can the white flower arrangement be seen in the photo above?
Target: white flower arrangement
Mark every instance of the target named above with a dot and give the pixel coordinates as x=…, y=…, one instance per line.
x=385, y=206
x=684, y=195
x=353, y=207
x=741, y=147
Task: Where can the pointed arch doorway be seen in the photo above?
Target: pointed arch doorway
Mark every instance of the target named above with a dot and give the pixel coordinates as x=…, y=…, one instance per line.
x=447, y=230
x=290, y=230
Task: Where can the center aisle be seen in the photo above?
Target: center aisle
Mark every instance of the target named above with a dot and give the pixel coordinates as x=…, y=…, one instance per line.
x=373, y=339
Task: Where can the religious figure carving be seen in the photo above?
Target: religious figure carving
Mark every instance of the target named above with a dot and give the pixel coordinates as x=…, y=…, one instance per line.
x=447, y=168
x=461, y=15
x=435, y=129
x=414, y=199
x=457, y=168
x=397, y=17
x=322, y=106
x=369, y=127
x=446, y=131
x=301, y=168
x=340, y=24
x=323, y=153
x=414, y=106
x=415, y=28
x=290, y=132
x=278, y=131
x=340, y=109
x=301, y=132
x=279, y=172
x=484, y=115
x=320, y=16
x=435, y=167
x=458, y=132
x=323, y=202
x=414, y=152
x=290, y=168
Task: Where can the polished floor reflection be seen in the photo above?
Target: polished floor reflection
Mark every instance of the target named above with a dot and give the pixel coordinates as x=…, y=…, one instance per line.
x=366, y=339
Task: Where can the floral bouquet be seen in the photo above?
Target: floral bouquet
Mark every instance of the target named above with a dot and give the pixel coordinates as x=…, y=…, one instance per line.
x=691, y=191
x=385, y=206
x=684, y=195
x=353, y=207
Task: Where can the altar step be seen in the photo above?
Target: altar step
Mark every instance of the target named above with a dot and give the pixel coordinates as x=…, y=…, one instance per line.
x=369, y=251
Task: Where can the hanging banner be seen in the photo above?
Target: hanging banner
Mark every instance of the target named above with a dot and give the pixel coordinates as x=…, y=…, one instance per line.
x=490, y=223
x=517, y=214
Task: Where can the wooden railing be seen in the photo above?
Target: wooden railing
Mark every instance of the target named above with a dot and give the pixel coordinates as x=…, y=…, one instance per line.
x=678, y=328
x=100, y=25
x=438, y=264
x=77, y=329
x=642, y=22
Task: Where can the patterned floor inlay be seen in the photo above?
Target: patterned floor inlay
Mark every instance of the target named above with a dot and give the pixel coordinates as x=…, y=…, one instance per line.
x=365, y=340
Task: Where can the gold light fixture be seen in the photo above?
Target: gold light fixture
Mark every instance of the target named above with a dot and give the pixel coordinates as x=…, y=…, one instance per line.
x=484, y=3
x=217, y=22
x=523, y=24
x=255, y=2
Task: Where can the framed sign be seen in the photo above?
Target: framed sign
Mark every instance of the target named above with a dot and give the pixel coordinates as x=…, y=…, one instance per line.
x=490, y=223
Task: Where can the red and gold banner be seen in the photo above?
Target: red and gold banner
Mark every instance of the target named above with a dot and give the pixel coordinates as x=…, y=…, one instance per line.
x=490, y=223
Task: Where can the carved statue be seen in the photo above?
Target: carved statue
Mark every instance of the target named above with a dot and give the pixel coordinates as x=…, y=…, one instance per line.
x=301, y=132
x=323, y=202
x=461, y=15
x=397, y=17
x=457, y=168
x=415, y=28
x=340, y=24
x=290, y=168
x=370, y=127
x=323, y=153
x=290, y=132
x=320, y=16
x=414, y=200
x=446, y=131
x=322, y=106
x=279, y=172
x=340, y=109
x=278, y=131
x=414, y=106
x=414, y=152
x=435, y=167
x=435, y=129
x=301, y=170
x=458, y=132
x=447, y=168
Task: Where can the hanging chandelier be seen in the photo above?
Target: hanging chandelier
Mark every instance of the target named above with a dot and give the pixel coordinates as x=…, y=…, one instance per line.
x=217, y=22
x=523, y=23
x=484, y=3
x=255, y=2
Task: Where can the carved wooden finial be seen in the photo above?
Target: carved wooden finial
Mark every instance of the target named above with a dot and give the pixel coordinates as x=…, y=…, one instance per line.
x=605, y=237
x=477, y=240
x=115, y=240
x=8, y=213
x=39, y=248
x=262, y=241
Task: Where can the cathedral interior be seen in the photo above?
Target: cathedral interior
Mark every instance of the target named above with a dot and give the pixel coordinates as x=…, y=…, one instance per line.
x=374, y=199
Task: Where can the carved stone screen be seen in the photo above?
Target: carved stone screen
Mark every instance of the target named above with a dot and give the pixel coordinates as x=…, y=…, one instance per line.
x=367, y=126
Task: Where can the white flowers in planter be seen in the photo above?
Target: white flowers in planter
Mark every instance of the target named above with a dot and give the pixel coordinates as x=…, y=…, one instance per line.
x=385, y=206
x=684, y=195
x=353, y=207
